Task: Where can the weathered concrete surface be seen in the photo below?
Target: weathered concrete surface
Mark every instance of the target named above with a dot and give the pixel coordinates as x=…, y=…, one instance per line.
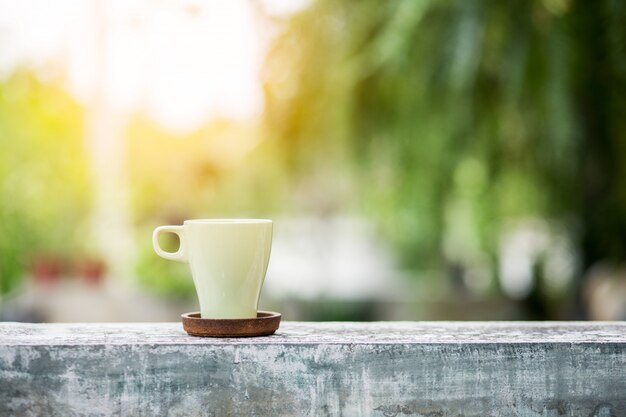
x=316, y=369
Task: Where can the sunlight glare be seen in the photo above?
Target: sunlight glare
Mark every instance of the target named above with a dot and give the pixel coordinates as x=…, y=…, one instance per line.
x=181, y=62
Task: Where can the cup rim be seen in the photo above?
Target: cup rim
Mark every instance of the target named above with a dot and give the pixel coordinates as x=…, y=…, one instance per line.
x=227, y=221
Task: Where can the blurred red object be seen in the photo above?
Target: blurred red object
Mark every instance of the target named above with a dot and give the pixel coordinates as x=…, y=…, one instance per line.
x=92, y=270
x=46, y=269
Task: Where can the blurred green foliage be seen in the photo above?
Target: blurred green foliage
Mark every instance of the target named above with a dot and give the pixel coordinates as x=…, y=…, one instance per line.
x=44, y=179
x=222, y=168
x=442, y=121
x=458, y=116
x=162, y=277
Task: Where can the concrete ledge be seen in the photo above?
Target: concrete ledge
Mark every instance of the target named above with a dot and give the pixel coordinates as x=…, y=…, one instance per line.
x=316, y=369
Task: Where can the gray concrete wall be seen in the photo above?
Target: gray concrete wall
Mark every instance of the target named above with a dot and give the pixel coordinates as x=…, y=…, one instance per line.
x=316, y=369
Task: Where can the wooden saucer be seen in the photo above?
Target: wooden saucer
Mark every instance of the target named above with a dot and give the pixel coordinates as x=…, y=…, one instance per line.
x=265, y=324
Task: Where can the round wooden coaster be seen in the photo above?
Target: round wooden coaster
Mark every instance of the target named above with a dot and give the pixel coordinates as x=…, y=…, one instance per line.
x=266, y=323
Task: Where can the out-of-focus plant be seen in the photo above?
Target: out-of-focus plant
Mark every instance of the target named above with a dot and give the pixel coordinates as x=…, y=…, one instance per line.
x=44, y=179
x=162, y=277
x=459, y=116
x=213, y=169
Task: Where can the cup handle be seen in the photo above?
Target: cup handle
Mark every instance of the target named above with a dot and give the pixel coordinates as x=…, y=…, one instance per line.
x=181, y=254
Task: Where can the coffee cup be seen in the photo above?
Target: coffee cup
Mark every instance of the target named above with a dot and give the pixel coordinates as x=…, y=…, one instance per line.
x=228, y=260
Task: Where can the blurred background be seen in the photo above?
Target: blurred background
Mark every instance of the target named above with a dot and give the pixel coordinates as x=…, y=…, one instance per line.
x=421, y=159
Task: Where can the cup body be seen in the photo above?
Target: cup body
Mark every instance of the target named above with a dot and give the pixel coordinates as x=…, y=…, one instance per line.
x=228, y=259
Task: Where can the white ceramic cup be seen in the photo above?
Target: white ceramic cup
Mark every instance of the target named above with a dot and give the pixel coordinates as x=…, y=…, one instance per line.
x=228, y=259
